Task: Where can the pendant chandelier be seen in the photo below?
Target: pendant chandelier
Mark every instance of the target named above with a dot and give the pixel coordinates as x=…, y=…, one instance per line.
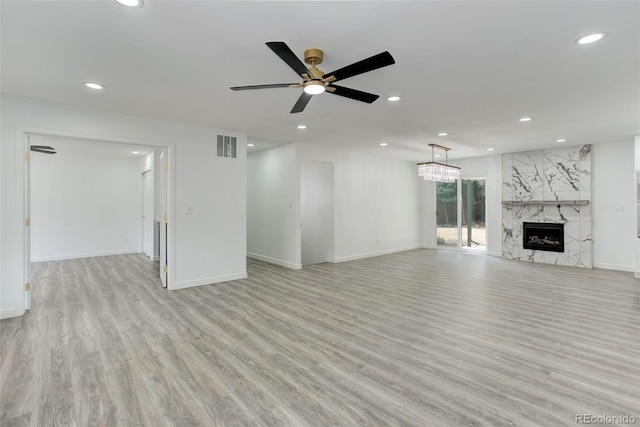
x=441, y=172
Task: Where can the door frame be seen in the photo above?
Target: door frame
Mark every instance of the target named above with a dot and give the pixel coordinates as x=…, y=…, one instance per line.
x=331, y=255
x=144, y=230
x=459, y=246
x=23, y=152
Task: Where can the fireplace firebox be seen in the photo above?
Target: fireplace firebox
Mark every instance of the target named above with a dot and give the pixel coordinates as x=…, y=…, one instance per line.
x=543, y=236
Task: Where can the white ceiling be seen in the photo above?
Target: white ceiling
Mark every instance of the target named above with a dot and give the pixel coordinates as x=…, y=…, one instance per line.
x=471, y=69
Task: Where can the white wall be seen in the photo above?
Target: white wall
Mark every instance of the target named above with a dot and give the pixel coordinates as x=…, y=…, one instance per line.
x=83, y=205
x=272, y=187
x=376, y=205
x=210, y=244
x=636, y=212
x=488, y=167
x=613, y=208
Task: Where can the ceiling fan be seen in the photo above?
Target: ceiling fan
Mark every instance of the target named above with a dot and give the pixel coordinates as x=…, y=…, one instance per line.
x=43, y=149
x=315, y=81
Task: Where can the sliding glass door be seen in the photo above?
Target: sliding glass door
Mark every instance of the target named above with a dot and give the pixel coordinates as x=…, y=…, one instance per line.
x=460, y=213
x=447, y=232
x=473, y=214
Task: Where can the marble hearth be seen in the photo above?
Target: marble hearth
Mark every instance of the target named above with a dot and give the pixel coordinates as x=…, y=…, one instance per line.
x=548, y=186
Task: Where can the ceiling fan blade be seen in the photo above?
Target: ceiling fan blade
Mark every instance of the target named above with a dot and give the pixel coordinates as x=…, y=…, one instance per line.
x=358, y=95
x=265, y=86
x=373, y=63
x=38, y=150
x=301, y=103
x=286, y=54
x=43, y=147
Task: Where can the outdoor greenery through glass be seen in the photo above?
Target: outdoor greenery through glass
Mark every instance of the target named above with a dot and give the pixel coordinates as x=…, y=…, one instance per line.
x=473, y=213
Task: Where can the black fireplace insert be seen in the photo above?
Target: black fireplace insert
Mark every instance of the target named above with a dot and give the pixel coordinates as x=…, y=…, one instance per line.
x=543, y=236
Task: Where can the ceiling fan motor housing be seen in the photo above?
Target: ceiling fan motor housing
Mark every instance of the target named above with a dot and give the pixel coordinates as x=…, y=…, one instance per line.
x=313, y=56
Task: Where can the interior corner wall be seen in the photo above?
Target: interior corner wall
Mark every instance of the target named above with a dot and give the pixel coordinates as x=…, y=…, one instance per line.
x=614, y=206
x=209, y=242
x=376, y=202
x=83, y=205
x=272, y=200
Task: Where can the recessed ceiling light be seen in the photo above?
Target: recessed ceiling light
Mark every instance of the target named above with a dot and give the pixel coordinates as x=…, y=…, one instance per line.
x=443, y=134
x=135, y=152
x=302, y=126
x=490, y=149
x=437, y=155
x=591, y=38
x=250, y=145
x=561, y=140
x=383, y=144
x=130, y=3
x=94, y=85
x=393, y=98
x=525, y=119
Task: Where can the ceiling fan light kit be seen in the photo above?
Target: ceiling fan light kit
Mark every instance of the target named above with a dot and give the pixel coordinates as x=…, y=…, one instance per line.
x=315, y=81
x=440, y=172
x=313, y=87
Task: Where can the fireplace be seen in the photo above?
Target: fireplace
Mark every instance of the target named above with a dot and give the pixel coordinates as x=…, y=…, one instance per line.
x=543, y=236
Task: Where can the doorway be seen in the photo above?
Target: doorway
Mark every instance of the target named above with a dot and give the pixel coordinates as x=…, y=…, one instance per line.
x=461, y=214
x=84, y=144
x=317, y=212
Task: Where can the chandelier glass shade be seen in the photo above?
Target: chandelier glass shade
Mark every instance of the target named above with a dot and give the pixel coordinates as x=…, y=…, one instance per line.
x=441, y=172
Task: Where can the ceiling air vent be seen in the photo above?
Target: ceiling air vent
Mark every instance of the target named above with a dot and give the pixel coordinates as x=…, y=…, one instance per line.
x=227, y=146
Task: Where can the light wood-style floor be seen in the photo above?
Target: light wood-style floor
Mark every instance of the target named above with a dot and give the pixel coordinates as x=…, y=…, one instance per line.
x=424, y=338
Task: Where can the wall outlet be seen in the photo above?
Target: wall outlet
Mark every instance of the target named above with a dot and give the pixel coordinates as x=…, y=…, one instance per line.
x=189, y=210
x=126, y=240
x=377, y=241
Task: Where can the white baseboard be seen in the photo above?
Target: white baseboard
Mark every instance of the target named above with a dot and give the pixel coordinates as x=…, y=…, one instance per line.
x=617, y=267
x=428, y=247
x=378, y=253
x=275, y=261
x=208, y=280
x=11, y=312
x=84, y=255
x=155, y=258
x=496, y=254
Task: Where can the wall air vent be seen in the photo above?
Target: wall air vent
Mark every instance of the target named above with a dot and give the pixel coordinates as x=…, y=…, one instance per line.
x=227, y=147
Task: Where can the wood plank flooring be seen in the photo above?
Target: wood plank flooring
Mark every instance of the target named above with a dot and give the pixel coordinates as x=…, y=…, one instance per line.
x=424, y=338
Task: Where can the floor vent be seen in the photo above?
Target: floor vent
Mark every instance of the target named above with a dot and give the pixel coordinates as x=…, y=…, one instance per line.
x=227, y=147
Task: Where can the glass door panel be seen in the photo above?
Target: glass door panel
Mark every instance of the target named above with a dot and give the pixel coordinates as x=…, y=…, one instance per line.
x=473, y=214
x=447, y=214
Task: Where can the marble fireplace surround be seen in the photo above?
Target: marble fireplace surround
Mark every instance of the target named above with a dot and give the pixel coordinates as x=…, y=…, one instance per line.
x=552, y=185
